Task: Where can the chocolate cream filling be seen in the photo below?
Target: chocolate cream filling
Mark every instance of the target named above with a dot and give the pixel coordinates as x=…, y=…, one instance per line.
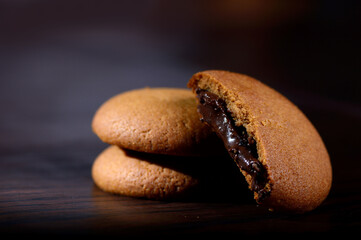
x=240, y=146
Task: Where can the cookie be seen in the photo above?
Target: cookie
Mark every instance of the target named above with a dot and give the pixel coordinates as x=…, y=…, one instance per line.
x=155, y=120
x=141, y=175
x=275, y=146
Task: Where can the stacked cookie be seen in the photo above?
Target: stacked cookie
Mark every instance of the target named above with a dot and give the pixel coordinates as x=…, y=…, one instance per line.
x=159, y=148
x=165, y=142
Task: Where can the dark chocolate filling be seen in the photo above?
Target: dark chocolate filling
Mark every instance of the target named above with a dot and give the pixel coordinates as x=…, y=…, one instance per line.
x=241, y=147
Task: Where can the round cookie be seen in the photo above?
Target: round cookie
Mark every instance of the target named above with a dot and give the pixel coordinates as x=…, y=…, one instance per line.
x=155, y=120
x=133, y=174
x=276, y=147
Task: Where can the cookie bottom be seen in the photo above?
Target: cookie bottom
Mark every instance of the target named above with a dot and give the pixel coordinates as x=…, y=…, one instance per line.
x=164, y=177
x=123, y=172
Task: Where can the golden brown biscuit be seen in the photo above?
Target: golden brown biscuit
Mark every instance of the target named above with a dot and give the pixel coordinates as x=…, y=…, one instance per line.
x=276, y=147
x=165, y=177
x=155, y=120
x=138, y=175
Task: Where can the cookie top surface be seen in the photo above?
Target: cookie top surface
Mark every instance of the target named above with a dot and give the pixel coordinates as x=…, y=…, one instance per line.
x=154, y=120
x=299, y=173
x=120, y=172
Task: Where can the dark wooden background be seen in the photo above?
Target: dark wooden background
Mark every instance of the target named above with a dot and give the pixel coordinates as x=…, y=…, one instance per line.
x=59, y=60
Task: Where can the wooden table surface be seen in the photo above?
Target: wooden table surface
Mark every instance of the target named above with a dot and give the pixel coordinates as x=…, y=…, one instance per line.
x=55, y=72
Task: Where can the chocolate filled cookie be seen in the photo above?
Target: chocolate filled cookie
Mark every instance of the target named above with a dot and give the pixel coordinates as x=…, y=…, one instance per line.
x=275, y=146
x=155, y=120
